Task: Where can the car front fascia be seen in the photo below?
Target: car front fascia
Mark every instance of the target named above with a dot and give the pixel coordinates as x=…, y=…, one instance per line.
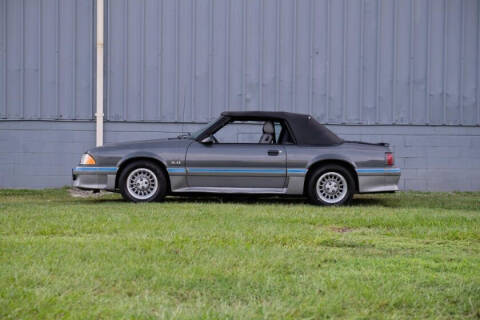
x=91, y=177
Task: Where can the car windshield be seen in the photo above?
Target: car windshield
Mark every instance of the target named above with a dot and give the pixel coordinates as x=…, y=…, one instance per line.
x=197, y=133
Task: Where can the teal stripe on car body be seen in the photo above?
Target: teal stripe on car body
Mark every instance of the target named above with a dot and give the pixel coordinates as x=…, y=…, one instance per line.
x=176, y=170
x=234, y=170
x=96, y=169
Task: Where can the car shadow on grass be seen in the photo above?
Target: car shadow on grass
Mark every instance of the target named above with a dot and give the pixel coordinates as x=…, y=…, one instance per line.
x=108, y=197
x=244, y=199
x=253, y=201
x=401, y=200
x=393, y=201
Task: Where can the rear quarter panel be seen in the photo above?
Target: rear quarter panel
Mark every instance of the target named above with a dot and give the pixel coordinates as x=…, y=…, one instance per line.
x=359, y=156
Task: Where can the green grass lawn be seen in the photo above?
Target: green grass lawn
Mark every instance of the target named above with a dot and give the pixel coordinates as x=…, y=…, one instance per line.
x=396, y=256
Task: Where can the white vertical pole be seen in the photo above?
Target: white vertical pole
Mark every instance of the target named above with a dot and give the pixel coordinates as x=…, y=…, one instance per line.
x=99, y=113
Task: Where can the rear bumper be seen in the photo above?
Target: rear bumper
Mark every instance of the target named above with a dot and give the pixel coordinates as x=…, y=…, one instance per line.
x=378, y=179
x=94, y=178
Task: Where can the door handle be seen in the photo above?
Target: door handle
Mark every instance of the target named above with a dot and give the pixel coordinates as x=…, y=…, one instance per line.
x=273, y=152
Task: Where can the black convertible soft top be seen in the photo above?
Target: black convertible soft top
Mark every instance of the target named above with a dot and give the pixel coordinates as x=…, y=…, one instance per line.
x=305, y=129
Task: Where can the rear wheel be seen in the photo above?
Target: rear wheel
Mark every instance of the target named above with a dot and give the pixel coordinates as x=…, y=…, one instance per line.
x=142, y=181
x=331, y=185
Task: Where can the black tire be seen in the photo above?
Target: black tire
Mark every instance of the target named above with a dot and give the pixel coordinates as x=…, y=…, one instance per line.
x=145, y=169
x=334, y=173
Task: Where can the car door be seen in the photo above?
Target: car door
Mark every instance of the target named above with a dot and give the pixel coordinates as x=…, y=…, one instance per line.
x=236, y=165
x=237, y=160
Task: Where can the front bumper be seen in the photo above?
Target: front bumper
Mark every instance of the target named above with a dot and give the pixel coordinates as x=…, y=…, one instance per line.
x=94, y=178
x=378, y=179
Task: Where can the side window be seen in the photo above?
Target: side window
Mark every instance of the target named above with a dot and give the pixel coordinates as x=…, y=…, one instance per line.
x=278, y=130
x=240, y=132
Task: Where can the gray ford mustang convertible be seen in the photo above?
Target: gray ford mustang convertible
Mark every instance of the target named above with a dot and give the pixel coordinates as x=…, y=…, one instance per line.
x=243, y=152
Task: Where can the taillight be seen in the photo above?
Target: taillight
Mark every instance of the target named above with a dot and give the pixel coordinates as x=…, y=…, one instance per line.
x=389, y=158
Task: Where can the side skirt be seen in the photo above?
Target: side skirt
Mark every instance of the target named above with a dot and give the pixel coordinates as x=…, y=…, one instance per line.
x=233, y=190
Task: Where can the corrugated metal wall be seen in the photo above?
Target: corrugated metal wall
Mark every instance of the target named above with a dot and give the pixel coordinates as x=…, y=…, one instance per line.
x=46, y=59
x=344, y=61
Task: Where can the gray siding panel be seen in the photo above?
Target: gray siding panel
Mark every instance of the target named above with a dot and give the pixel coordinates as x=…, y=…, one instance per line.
x=348, y=61
x=41, y=154
x=46, y=59
x=352, y=62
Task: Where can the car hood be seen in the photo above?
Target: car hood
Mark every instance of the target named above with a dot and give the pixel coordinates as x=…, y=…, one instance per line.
x=142, y=144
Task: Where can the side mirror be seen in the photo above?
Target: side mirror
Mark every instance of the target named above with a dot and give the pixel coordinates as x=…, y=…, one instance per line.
x=208, y=140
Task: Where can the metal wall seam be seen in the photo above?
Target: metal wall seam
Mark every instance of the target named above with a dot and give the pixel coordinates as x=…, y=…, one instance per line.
x=411, y=61
x=361, y=71
x=143, y=62
x=394, y=62
x=211, y=52
x=99, y=70
x=125, y=59
x=327, y=62
x=244, y=53
x=160, y=6
x=57, y=59
x=193, y=60
x=260, y=54
x=93, y=60
x=74, y=60
x=22, y=55
x=444, y=62
x=176, y=104
x=3, y=112
x=294, y=58
x=428, y=54
x=227, y=54
x=344, y=59
x=4, y=58
x=378, y=60
x=311, y=55
x=40, y=59
x=478, y=64
x=462, y=60
x=278, y=7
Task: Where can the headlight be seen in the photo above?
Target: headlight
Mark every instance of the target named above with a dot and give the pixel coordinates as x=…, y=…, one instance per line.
x=87, y=159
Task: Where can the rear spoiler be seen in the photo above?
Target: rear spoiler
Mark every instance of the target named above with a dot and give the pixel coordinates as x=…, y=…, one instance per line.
x=383, y=144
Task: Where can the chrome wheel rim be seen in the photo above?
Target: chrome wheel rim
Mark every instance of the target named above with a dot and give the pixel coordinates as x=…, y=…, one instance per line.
x=142, y=183
x=331, y=187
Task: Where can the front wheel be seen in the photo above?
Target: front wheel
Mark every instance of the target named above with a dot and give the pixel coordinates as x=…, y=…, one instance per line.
x=331, y=185
x=142, y=181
